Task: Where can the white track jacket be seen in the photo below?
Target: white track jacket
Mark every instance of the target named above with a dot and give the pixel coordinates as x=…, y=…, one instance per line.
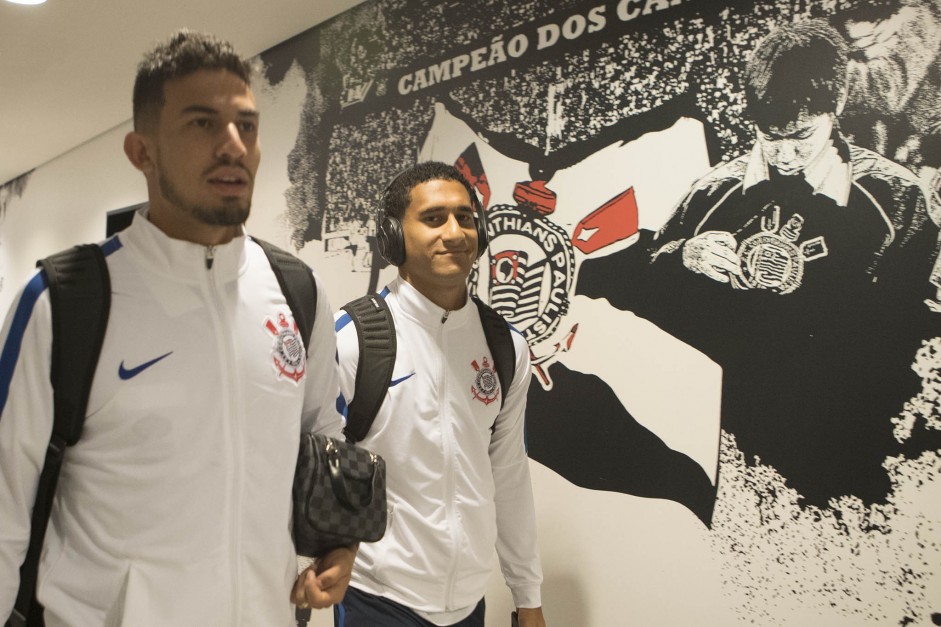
x=174, y=508
x=455, y=489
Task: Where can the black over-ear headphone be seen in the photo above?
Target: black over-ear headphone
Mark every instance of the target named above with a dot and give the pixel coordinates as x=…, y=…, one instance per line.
x=391, y=239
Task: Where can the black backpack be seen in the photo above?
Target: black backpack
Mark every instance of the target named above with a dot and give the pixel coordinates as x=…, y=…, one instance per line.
x=375, y=330
x=80, y=298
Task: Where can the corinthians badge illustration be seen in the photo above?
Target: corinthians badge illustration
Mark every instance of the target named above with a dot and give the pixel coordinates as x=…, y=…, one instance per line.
x=772, y=259
x=531, y=275
x=531, y=269
x=287, y=350
x=486, y=387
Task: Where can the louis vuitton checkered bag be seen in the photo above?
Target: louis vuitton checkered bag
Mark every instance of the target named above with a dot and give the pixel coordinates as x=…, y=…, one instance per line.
x=339, y=495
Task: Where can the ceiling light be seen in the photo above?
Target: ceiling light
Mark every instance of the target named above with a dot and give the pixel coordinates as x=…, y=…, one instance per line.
x=26, y=1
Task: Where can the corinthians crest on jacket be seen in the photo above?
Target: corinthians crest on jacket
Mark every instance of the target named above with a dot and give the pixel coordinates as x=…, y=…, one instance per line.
x=287, y=349
x=486, y=386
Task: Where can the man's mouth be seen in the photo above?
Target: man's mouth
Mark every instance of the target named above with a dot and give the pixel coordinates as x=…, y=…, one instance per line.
x=788, y=169
x=228, y=182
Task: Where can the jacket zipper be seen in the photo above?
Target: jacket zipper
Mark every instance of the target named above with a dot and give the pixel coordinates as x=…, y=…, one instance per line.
x=223, y=339
x=448, y=435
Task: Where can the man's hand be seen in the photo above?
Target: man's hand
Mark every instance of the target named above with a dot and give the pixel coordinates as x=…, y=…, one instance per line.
x=712, y=253
x=531, y=617
x=324, y=583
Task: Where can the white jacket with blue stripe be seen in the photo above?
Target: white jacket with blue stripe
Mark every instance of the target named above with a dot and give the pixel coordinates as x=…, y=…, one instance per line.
x=455, y=489
x=174, y=508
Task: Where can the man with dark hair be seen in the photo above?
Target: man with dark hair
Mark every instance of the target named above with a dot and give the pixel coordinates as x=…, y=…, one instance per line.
x=796, y=70
x=802, y=268
x=182, y=54
x=174, y=506
x=457, y=472
x=860, y=216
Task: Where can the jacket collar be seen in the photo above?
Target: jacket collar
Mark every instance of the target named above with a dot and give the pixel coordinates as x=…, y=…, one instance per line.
x=417, y=306
x=830, y=173
x=180, y=259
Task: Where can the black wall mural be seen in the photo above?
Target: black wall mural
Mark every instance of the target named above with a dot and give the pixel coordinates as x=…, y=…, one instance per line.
x=607, y=140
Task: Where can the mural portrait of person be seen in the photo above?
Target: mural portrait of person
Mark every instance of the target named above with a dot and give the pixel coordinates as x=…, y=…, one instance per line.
x=711, y=222
x=818, y=254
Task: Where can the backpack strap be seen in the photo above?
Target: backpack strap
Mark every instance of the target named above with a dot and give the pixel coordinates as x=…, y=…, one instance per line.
x=80, y=297
x=500, y=343
x=298, y=286
x=300, y=291
x=375, y=330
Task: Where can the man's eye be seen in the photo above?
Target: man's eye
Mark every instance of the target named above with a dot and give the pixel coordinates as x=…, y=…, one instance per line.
x=465, y=218
x=248, y=127
x=202, y=123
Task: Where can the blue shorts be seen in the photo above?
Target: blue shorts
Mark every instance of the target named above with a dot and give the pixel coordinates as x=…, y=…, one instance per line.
x=360, y=609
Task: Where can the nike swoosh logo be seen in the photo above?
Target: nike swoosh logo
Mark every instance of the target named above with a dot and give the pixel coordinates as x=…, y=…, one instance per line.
x=395, y=382
x=130, y=373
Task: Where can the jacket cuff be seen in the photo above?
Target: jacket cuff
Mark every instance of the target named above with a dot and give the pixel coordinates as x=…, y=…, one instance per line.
x=526, y=596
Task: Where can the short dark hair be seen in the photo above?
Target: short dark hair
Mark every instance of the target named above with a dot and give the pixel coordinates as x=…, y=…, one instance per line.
x=184, y=53
x=799, y=67
x=397, y=195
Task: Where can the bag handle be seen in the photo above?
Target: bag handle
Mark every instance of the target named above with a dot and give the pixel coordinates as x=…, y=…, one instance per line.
x=339, y=481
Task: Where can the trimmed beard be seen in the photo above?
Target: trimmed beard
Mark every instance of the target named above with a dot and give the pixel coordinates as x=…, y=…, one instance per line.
x=230, y=213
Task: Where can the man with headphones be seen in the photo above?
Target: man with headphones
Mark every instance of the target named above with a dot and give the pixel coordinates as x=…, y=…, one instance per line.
x=458, y=479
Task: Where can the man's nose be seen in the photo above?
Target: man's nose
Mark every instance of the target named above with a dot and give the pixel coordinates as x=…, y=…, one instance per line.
x=231, y=144
x=452, y=230
x=787, y=151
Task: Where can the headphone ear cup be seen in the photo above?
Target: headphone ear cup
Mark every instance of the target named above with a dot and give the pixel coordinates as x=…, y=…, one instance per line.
x=483, y=238
x=391, y=241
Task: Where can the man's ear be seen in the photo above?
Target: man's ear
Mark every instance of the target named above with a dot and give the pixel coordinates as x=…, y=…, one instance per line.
x=139, y=150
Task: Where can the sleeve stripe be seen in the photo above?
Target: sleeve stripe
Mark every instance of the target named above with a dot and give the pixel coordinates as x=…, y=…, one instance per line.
x=11, y=349
x=342, y=321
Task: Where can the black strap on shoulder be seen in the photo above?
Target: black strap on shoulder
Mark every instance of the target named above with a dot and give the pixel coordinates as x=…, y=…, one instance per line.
x=376, y=332
x=300, y=291
x=500, y=343
x=80, y=297
x=298, y=286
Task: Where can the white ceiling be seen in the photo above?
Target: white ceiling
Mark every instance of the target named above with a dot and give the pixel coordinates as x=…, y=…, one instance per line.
x=67, y=66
